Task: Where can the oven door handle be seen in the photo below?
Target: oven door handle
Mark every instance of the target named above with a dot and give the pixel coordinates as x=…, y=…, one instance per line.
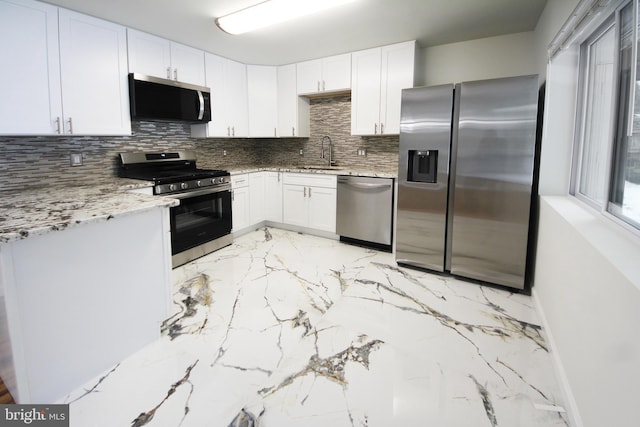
x=200, y=192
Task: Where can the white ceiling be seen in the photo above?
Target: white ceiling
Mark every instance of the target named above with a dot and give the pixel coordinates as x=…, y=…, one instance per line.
x=354, y=26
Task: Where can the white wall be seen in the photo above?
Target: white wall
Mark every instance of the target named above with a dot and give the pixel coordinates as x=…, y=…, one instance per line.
x=492, y=57
x=587, y=280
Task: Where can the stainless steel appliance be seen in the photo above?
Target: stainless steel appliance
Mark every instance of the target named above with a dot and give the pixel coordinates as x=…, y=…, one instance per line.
x=365, y=210
x=202, y=222
x=465, y=178
x=161, y=99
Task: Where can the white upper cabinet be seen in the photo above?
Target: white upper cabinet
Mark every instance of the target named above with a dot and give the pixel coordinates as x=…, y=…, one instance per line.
x=95, y=91
x=66, y=73
x=293, y=111
x=378, y=77
x=227, y=80
x=262, y=92
x=31, y=102
x=331, y=74
x=155, y=56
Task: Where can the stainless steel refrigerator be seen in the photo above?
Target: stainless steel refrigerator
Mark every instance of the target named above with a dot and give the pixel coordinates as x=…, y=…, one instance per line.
x=465, y=178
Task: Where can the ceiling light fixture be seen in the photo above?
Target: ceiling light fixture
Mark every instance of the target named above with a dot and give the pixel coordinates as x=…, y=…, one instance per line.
x=272, y=12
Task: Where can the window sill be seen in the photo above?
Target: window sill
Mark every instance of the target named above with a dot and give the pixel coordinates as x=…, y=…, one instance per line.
x=618, y=245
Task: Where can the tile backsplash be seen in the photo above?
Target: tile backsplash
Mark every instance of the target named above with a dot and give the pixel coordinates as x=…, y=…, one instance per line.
x=44, y=160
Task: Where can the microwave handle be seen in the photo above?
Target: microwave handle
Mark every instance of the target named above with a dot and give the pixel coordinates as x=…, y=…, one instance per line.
x=201, y=101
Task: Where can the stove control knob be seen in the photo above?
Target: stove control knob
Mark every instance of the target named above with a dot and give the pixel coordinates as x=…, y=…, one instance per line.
x=198, y=183
x=213, y=180
x=184, y=185
x=221, y=180
x=172, y=187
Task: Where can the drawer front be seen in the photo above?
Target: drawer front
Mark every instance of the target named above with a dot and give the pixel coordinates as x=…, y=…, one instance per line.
x=240, y=180
x=310, y=180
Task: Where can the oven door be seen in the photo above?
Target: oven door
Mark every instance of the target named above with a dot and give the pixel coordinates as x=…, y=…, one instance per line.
x=202, y=216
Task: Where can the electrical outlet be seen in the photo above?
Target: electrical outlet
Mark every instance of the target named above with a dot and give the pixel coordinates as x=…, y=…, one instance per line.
x=301, y=152
x=362, y=152
x=224, y=152
x=75, y=159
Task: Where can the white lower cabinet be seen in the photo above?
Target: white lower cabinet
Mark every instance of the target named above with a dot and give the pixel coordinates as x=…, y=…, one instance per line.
x=273, y=196
x=240, y=204
x=309, y=200
x=256, y=197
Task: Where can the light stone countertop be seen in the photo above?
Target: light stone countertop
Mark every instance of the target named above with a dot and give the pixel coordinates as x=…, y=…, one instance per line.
x=335, y=170
x=38, y=211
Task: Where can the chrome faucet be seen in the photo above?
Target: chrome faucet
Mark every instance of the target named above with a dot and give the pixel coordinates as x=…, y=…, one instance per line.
x=326, y=137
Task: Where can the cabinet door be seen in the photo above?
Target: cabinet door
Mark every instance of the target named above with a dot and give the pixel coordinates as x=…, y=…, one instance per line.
x=262, y=92
x=256, y=197
x=336, y=73
x=240, y=204
x=398, y=65
x=93, y=59
x=365, y=95
x=30, y=84
x=236, y=99
x=293, y=111
x=188, y=64
x=273, y=196
x=294, y=205
x=149, y=54
x=309, y=76
x=322, y=208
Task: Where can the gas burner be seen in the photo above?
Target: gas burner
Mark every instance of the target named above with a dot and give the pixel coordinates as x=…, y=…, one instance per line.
x=171, y=172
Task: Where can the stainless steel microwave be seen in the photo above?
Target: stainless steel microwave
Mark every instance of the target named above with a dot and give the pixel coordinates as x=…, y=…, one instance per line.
x=153, y=98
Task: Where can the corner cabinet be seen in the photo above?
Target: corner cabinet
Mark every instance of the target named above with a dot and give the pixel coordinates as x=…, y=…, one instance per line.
x=310, y=200
x=69, y=63
x=155, y=56
x=378, y=77
x=227, y=80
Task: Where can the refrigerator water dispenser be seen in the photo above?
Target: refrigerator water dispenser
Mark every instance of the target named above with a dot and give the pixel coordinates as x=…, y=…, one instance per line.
x=423, y=166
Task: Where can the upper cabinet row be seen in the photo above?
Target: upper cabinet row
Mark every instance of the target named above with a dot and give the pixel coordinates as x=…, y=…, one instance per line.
x=66, y=73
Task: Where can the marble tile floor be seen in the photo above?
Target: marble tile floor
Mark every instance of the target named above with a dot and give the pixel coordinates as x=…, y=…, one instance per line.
x=282, y=329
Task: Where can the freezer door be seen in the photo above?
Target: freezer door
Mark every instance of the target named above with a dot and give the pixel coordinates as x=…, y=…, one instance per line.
x=493, y=179
x=425, y=137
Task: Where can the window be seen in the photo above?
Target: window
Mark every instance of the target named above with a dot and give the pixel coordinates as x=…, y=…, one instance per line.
x=607, y=158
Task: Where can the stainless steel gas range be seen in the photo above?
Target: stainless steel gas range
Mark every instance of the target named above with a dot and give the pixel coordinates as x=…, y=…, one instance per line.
x=201, y=223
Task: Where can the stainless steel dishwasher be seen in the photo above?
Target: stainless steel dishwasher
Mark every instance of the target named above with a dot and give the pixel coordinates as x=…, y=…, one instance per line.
x=365, y=210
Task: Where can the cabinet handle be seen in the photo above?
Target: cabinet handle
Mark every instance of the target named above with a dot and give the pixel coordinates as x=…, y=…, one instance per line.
x=278, y=176
x=318, y=85
x=323, y=86
x=233, y=195
x=70, y=126
x=305, y=191
x=58, y=129
x=228, y=130
x=275, y=132
x=375, y=128
x=233, y=131
x=169, y=72
x=381, y=128
x=309, y=192
x=293, y=131
x=175, y=74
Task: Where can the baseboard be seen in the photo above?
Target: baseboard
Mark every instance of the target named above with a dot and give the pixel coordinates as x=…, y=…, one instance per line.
x=570, y=404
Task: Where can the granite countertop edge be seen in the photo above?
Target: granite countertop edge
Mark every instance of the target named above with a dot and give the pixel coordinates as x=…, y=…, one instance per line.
x=39, y=211
x=315, y=170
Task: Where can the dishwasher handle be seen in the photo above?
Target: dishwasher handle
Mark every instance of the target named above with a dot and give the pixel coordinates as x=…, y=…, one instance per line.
x=364, y=185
